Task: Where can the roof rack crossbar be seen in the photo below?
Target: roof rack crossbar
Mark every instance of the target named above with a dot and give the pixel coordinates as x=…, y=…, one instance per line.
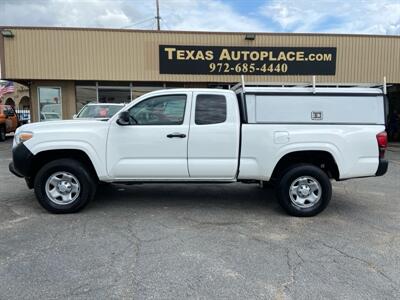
x=242, y=85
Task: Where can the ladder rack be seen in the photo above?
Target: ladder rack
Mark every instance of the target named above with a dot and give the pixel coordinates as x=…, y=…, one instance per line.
x=242, y=85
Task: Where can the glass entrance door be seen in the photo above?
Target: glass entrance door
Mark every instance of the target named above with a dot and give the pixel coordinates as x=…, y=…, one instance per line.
x=50, y=103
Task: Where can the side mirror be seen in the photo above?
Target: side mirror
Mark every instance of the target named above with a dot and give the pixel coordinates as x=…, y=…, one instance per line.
x=123, y=118
x=74, y=116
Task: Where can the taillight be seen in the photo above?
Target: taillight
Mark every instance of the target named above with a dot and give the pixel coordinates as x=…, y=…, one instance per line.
x=381, y=138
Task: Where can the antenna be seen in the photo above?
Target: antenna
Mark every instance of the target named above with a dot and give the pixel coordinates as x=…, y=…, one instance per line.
x=158, y=15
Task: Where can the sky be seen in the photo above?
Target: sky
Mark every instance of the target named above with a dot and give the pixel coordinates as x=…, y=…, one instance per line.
x=324, y=16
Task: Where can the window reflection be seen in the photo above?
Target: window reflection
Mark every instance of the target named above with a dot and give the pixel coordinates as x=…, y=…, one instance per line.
x=114, y=95
x=161, y=110
x=49, y=103
x=141, y=89
x=85, y=95
x=210, y=109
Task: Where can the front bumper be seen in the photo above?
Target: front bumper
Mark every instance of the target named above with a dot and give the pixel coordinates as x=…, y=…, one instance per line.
x=12, y=170
x=382, y=167
x=22, y=161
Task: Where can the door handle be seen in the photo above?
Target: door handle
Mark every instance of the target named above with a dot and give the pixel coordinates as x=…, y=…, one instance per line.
x=176, y=135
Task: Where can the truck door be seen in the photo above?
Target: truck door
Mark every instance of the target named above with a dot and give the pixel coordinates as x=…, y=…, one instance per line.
x=155, y=145
x=213, y=146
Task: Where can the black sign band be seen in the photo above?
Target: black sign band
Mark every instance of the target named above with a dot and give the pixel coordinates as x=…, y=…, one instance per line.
x=219, y=60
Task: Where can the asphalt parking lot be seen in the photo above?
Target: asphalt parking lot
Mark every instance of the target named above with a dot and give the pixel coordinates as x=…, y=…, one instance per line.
x=201, y=241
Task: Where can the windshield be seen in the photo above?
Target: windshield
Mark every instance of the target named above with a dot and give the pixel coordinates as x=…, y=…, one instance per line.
x=49, y=116
x=52, y=108
x=99, y=111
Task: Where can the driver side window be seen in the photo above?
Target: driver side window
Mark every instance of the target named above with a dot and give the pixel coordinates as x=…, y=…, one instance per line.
x=161, y=110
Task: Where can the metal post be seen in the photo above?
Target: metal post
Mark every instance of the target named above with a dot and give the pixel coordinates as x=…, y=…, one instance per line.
x=131, y=90
x=384, y=85
x=242, y=78
x=313, y=84
x=97, y=91
x=158, y=15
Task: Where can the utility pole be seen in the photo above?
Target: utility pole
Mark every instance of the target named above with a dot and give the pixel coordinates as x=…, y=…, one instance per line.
x=158, y=15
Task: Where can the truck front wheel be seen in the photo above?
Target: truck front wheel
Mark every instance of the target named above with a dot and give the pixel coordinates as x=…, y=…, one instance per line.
x=304, y=190
x=64, y=186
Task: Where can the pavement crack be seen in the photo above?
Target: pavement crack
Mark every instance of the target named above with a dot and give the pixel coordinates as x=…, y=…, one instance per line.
x=85, y=226
x=366, y=262
x=208, y=223
x=299, y=256
x=285, y=286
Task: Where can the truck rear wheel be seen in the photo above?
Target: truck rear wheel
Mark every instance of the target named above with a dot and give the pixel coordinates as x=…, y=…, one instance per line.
x=304, y=190
x=64, y=186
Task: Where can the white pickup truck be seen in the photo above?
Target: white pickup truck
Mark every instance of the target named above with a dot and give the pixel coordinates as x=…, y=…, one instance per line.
x=297, y=138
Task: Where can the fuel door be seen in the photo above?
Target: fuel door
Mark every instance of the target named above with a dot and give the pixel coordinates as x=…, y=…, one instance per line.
x=281, y=137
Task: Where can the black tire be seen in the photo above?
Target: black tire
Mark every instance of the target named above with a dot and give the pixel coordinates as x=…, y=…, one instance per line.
x=308, y=171
x=2, y=133
x=84, y=177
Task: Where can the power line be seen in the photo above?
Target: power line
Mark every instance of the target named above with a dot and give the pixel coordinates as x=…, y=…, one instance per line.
x=157, y=17
x=148, y=25
x=165, y=24
x=137, y=23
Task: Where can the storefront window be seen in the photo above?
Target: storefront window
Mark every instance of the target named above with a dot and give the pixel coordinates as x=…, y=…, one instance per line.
x=225, y=86
x=114, y=95
x=85, y=95
x=174, y=85
x=138, y=89
x=49, y=103
x=123, y=84
x=114, y=92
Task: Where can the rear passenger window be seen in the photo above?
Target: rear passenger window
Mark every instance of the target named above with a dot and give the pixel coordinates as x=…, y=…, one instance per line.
x=210, y=109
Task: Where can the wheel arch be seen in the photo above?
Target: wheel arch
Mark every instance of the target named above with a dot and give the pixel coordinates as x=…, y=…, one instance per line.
x=320, y=158
x=46, y=156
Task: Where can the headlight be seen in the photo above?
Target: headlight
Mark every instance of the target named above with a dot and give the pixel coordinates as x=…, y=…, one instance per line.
x=22, y=136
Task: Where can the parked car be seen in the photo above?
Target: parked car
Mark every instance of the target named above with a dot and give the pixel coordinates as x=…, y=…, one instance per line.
x=295, y=138
x=49, y=116
x=99, y=111
x=8, y=121
x=50, y=111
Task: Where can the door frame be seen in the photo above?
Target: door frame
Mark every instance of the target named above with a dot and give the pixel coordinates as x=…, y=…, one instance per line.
x=186, y=122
